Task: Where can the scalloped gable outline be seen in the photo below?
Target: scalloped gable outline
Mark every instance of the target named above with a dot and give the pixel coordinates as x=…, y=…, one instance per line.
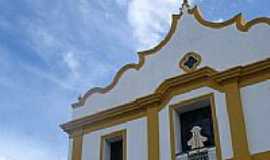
x=238, y=20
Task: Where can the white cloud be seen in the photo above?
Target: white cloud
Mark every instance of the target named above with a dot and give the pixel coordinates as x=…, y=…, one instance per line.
x=219, y=20
x=150, y=19
x=72, y=63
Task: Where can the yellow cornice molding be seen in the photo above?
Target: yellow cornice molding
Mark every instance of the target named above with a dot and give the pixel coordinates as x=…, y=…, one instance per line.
x=203, y=73
x=238, y=20
x=205, y=76
x=261, y=156
x=137, y=107
x=243, y=74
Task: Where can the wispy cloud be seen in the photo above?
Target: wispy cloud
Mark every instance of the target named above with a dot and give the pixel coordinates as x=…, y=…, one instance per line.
x=73, y=63
x=150, y=20
x=219, y=20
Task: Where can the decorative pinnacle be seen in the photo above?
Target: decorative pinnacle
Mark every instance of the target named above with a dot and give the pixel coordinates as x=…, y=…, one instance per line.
x=185, y=4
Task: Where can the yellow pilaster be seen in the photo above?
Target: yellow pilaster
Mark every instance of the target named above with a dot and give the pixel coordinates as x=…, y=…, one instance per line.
x=153, y=133
x=237, y=122
x=77, y=137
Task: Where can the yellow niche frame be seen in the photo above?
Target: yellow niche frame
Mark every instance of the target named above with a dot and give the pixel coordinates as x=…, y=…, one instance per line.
x=104, y=138
x=172, y=108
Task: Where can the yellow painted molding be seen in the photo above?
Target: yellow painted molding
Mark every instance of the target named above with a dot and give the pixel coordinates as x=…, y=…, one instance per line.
x=172, y=109
x=237, y=122
x=122, y=134
x=185, y=59
x=104, y=119
x=153, y=132
x=77, y=137
x=245, y=75
x=172, y=133
x=238, y=20
x=142, y=107
x=261, y=156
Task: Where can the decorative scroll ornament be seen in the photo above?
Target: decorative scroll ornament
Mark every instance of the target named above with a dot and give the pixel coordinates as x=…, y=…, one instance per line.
x=190, y=62
x=197, y=140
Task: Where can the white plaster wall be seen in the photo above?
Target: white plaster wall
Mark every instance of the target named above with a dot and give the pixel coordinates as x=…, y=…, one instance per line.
x=164, y=134
x=136, y=140
x=256, y=106
x=222, y=118
x=218, y=48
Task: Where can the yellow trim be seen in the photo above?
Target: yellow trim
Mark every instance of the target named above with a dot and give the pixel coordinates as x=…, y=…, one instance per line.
x=237, y=122
x=185, y=58
x=172, y=133
x=77, y=145
x=246, y=75
x=261, y=156
x=215, y=126
x=172, y=108
x=238, y=20
x=122, y=134
x=153, y=132
x=114, y=121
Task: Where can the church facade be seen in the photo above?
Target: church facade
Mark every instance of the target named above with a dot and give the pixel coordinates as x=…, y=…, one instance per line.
x=203, y=93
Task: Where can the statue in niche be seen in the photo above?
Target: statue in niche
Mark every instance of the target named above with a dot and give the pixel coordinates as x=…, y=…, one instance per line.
x=197, y=140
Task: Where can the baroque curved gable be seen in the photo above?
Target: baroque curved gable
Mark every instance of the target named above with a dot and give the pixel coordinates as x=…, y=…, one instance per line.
x=136, y=66
x=193, y=33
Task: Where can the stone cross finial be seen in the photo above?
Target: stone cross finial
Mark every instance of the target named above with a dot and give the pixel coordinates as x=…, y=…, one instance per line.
x=197, y=140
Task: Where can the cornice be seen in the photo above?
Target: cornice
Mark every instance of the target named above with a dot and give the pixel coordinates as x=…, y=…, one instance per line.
x=202, y=73
x=238, y=20
x=240, y=73
x=205, y=76
x=137, y=106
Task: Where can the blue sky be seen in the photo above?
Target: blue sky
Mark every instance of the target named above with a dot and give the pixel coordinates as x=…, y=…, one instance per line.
x=51, y=51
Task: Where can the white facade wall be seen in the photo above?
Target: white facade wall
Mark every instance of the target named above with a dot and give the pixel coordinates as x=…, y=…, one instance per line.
x=136, y=140
x=164, y=134
x=222, y=118
x=256, y=106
